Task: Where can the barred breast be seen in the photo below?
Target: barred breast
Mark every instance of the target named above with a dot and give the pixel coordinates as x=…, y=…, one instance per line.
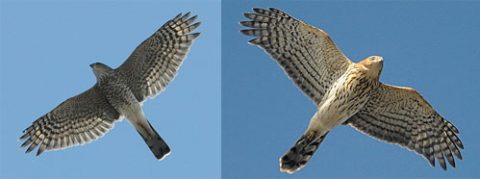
x=117, y=92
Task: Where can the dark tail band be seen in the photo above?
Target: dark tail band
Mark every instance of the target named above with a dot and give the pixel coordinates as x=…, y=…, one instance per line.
x=298, y=156
x=156, y=144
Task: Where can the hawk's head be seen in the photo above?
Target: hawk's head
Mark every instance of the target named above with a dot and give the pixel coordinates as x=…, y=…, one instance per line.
x=374, y=65
x=99, y=69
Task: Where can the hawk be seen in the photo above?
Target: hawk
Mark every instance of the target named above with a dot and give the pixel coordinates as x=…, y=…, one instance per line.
x=118, y=93
x=348, y=93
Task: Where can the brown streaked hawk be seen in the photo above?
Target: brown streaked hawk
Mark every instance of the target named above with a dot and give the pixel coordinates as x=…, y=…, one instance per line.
x=348, y=93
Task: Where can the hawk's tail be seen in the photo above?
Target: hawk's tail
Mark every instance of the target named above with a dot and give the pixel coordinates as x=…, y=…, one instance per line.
x=296, y=158
x=156, y=144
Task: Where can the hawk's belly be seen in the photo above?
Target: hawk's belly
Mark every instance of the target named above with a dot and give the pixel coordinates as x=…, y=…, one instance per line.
x=346, y=97
x=119, y=95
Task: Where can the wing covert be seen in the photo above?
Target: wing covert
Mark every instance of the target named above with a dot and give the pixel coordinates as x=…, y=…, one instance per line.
x=78, y=120
x=402, y=116
x=155, y=62
x=307, y=54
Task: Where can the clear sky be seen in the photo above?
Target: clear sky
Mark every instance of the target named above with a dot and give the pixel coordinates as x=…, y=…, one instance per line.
x=433, y=47
x=46, y=49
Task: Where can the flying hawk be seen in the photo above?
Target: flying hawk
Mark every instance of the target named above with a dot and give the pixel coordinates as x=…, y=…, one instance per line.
x=118, y=93
x=348, y=93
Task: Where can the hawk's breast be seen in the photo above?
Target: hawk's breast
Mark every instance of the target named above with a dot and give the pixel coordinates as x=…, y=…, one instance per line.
x=346, y=97
x=117, y=92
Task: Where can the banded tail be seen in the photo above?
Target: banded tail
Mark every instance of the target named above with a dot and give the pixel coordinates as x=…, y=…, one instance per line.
x=298, y=156
x=156, y=144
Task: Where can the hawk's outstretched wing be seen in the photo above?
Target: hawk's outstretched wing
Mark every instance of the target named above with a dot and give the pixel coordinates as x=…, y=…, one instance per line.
x=155, y=62
x=307, y=54
x=400, y=115
x=78, y=120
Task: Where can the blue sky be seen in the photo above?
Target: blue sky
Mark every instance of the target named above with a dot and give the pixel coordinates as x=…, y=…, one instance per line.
x=46, y=49
x=430, y=46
